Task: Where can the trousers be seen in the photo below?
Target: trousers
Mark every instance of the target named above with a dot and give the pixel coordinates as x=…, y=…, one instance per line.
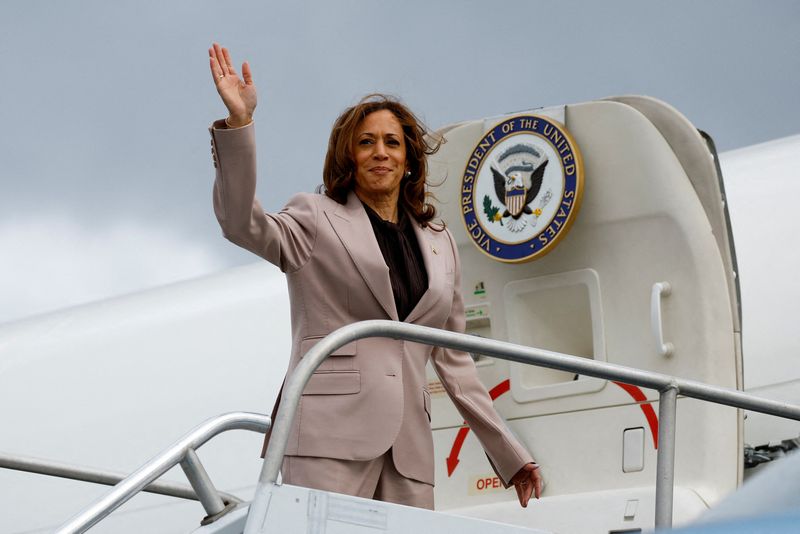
x=371, y=479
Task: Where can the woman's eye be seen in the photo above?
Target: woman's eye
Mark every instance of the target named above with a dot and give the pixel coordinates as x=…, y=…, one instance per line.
x=393, y=142
x=365, y=142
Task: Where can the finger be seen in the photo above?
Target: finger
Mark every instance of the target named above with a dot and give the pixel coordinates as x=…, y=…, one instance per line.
x=212, y=53
x=221, y=58
x=212, y=60
x=216, y=71
x=247, y=74
x=538, y=482
x=228, y=63
x=519, y=494
x=527, y=490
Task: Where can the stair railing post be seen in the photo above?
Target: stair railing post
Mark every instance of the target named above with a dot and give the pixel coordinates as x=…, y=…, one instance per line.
x=665, y=462
x=207, y=494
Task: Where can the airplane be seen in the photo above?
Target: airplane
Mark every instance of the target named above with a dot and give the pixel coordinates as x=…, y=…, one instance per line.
x=667, y=258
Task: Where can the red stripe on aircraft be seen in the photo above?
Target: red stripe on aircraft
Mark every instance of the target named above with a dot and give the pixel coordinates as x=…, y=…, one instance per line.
x=649, y=413
x=500, y=388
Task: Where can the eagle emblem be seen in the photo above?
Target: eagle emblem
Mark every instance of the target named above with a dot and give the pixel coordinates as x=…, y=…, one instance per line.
x=518, y=174
x=522, y=187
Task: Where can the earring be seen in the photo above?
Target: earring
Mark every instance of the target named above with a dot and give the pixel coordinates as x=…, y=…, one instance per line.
x=408, y=174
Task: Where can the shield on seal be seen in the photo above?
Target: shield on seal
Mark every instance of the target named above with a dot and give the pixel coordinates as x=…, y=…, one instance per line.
x=515, y=200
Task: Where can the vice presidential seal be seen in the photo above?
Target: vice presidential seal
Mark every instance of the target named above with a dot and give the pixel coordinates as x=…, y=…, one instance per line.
x=521, y=188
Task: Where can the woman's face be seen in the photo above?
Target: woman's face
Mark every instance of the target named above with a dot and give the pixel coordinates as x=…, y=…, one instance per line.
x=379, y=151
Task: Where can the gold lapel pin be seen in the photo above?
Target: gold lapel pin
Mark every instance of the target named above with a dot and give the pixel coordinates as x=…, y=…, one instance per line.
x=434, y=249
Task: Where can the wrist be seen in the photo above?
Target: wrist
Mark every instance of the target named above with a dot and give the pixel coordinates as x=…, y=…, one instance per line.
x=237, y=121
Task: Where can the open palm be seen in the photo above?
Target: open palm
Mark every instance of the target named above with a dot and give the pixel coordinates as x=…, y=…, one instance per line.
x=238, y=94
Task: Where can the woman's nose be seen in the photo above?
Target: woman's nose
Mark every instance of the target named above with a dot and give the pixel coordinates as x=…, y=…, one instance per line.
x=380, y=150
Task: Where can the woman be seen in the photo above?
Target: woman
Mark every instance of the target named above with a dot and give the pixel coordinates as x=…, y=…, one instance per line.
x=363, y=250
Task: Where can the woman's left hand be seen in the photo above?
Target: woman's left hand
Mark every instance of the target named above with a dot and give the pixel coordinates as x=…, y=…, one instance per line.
x=528, y=481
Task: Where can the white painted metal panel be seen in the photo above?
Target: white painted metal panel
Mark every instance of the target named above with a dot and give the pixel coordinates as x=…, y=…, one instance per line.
x=296, y=509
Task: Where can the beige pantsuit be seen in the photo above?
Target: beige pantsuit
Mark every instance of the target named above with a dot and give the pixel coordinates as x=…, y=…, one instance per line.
x=371, y=395
x=372, y=479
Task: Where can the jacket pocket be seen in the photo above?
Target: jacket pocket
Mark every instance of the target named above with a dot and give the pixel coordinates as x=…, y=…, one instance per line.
x=333, y=383
x=426, y=402
x=342, y=359
x=347, y=350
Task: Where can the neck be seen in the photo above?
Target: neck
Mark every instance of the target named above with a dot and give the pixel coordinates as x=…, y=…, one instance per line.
x=384, y=205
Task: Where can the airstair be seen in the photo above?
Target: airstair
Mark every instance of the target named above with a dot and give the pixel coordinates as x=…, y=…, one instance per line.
x=281, y=508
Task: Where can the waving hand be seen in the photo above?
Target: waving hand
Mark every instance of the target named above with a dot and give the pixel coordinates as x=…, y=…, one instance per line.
x=238, y=95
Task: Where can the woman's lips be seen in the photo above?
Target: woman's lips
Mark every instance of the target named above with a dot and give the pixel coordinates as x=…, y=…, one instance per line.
x=380, y=170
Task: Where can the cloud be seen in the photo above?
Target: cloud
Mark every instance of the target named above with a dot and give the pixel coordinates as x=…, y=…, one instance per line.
x=54, y=262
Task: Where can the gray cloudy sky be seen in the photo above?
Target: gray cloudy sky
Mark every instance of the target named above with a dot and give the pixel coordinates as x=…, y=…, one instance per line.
x=106, y=172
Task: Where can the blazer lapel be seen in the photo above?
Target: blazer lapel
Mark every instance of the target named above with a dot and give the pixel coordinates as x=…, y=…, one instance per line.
x=351, y=224
x=434, y=265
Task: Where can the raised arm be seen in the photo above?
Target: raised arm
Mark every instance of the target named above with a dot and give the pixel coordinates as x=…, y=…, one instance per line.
x=285, y=238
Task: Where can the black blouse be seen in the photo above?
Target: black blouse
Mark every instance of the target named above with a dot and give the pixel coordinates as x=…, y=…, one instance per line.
x=400, y=249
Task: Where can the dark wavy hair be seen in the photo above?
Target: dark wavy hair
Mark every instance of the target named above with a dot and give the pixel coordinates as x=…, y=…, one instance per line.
x=338, y=175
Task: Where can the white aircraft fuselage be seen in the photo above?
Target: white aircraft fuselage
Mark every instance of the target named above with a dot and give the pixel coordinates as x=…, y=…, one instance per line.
x=109, y=384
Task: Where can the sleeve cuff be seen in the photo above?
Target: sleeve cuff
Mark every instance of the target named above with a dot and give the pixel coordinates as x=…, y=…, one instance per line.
x=222, y=124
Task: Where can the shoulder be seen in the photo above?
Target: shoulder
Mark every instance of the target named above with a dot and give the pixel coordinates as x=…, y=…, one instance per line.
x=315, y=200
x=306, y=208
x=307, y=203
x=302, y=208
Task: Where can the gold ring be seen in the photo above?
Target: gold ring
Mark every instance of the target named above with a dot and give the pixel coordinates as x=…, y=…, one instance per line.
x=221, y=76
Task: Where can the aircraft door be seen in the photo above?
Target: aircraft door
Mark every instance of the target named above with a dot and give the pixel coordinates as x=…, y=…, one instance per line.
x=641, y=278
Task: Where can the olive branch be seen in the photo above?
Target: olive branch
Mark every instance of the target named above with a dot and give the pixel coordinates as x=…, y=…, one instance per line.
x=492, y=212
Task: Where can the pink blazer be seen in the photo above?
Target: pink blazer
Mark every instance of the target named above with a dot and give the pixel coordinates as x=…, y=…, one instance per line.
x=371, y=394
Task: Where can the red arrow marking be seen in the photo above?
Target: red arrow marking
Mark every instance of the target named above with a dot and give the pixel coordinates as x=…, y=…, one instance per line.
x=504, y=386
x=452, y=460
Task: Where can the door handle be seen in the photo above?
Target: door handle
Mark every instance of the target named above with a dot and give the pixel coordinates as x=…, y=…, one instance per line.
x=660, y=289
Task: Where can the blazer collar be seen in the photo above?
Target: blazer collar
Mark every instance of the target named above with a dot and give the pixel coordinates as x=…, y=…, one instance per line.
x=351, y=223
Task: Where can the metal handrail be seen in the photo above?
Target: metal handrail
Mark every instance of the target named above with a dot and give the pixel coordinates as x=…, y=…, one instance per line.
x=40, y=466
x=667, y=386
x=163, y=462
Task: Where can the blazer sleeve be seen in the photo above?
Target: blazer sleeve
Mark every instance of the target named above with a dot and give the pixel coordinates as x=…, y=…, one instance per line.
x=285, y=239
x=460, y=379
